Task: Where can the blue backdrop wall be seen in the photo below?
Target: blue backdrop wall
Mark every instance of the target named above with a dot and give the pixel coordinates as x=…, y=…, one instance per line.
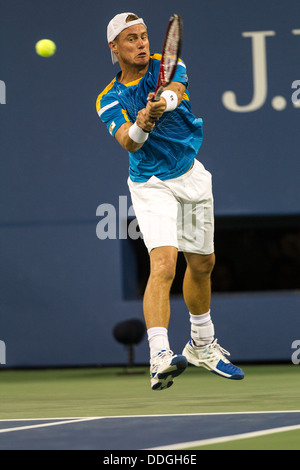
x=61, y=285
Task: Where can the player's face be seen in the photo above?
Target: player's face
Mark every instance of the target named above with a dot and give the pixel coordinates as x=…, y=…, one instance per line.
x=132, y=46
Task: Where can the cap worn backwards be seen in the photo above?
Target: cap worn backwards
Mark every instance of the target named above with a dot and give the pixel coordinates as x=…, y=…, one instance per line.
x=117, y=25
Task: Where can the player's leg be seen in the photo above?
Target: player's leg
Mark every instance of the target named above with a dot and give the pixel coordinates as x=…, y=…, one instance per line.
x=197, y=282
x=197, y=242
x=156, y=211
x=164, y=364
x=156, y=301
x=203, y=349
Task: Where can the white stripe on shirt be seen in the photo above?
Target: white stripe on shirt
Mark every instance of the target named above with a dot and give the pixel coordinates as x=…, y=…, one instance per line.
x=102, y=110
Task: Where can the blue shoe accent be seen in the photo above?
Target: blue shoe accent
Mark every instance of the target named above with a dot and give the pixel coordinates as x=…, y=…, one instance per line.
x=233, y=372
x=166, y=369
x=212, y=357
x=181, y=364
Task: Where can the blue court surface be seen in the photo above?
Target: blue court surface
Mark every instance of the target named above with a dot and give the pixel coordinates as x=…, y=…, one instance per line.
x=160, y=432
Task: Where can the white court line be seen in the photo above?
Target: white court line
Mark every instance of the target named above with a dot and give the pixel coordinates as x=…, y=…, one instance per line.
x=44, y=425
x=218, y=440
x=221, y=413
x=182, y=445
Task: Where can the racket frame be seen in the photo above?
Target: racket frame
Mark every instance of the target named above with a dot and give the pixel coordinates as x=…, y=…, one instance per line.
x=162, y=82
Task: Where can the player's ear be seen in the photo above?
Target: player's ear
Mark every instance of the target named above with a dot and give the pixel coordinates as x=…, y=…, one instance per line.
x=113, y=46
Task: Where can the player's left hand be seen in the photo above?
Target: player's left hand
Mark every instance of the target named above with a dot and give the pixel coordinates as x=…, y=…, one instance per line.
x=155, y=109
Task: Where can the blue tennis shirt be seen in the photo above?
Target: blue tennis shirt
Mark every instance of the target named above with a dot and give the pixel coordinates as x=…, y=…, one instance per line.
x=177, y=136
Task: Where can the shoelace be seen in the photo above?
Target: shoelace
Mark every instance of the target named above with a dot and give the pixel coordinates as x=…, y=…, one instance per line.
x=160, y=356
x=164, y=353
x=215, y=349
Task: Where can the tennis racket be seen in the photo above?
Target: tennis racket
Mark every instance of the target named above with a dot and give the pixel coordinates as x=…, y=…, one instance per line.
x=170, y=55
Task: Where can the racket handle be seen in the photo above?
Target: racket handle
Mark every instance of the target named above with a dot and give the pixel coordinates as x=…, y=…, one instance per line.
x=158, y=93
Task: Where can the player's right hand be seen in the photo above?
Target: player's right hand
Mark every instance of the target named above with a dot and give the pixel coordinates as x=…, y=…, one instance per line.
x=144, y=121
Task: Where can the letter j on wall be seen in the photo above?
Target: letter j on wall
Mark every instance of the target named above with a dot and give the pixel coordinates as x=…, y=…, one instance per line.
x=2, y=92
x=2, y=352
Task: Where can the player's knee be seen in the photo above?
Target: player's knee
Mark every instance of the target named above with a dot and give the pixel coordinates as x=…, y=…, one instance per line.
x=202, y=265
x=163, y=269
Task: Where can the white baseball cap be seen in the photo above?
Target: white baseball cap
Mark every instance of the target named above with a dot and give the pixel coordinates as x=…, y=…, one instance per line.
x=117, y=25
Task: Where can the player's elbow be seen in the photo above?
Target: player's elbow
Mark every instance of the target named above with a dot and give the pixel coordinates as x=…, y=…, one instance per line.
x=131, y=146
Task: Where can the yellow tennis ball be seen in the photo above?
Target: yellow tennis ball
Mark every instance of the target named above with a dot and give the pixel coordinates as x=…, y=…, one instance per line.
x=45, y=47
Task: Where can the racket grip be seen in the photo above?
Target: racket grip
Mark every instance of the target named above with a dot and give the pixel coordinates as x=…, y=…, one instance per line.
x=157, y=94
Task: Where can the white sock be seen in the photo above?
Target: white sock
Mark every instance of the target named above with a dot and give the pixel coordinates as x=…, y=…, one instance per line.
x=158, y=339
x=202, y=329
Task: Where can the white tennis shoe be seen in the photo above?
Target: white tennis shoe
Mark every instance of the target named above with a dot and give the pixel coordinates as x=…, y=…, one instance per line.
x=212, y=357
x=164, y=367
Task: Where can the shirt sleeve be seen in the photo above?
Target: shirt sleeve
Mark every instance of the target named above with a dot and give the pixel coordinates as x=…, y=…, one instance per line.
x=181, y=73
x=111, y=113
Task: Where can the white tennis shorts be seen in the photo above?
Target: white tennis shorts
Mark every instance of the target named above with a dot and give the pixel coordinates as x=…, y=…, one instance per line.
x=177, y=212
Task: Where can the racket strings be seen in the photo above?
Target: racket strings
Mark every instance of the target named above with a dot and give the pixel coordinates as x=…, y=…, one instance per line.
x=171, y=49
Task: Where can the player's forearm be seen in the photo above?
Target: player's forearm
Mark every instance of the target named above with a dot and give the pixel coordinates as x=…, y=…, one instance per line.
x=138, y=133
x=130, y=142
x=172, y=96
x=122, y=136
x=133, y=136
x=169, y=100
x=179, y=89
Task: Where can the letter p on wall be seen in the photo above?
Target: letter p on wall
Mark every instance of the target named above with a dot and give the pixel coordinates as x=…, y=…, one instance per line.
x=2, y=92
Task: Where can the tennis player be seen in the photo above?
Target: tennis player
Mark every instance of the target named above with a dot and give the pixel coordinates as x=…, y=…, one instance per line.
x=171, y=194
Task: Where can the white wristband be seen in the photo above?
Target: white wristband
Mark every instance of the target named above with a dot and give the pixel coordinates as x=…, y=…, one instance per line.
x=137, y=134
x=171, y=99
